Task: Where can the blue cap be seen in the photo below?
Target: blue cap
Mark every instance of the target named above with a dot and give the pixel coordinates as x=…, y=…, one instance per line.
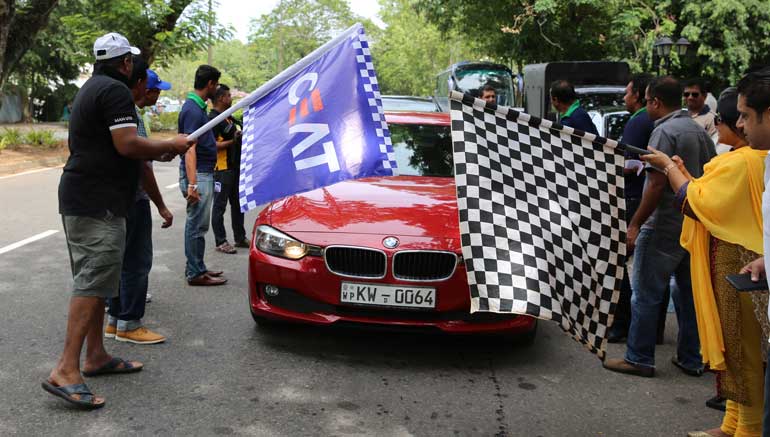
x=154, y=82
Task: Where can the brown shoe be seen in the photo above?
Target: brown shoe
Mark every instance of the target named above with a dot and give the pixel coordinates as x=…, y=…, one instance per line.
x=245, y=243
x=623, y=366
x=226, y=248
x=206, y=280
x=214, y=273
x=140, y=336
x=110, y=330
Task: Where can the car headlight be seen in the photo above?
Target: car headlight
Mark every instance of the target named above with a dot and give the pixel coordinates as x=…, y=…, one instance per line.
x=274, y=242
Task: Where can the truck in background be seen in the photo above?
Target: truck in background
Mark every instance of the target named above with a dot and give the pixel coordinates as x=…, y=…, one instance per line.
x=600, y=86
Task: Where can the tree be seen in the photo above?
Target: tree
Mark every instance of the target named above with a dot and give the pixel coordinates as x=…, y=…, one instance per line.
x=411, y=51
x=23, y=23
x=294, y=28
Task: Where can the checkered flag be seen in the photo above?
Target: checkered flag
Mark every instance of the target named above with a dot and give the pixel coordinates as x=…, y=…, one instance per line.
x=541, y=217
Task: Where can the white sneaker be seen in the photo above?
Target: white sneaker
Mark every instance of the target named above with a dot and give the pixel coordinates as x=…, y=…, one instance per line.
x=149, y=298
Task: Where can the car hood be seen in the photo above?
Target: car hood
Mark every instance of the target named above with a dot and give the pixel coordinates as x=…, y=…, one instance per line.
x=401, y=205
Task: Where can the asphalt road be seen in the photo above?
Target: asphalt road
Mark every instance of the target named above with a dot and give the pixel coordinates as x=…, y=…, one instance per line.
x=218, y=374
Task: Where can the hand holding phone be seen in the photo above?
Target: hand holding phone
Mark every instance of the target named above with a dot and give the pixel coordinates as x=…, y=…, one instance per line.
x=743, y=282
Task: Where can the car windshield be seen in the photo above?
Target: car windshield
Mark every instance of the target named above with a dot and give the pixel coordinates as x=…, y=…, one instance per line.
x=594, y=100
x=408, y=104
x=472, y=81
x=422, y=150
x=615, y=124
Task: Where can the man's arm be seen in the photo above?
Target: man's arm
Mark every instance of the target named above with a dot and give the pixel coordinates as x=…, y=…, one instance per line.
x=131, y=145
x=224, y=144
x=150, y=186
x=190, y=166
x=653, y=191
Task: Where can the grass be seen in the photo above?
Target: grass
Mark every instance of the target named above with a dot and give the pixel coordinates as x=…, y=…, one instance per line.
x=11, y=138
x=42, y=138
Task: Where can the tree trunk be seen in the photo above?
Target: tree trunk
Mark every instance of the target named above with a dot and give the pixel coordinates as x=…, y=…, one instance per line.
x=24, y=24
x=165, y=24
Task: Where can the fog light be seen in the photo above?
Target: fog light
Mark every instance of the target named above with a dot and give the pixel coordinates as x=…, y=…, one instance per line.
x=271, y=290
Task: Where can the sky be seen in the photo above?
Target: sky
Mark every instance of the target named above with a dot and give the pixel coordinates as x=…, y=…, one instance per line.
x=238, y=13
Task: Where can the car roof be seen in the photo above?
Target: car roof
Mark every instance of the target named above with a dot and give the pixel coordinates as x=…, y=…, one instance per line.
x=413, y=117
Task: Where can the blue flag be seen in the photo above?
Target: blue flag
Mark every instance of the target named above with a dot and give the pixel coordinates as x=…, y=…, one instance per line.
x=322, y=125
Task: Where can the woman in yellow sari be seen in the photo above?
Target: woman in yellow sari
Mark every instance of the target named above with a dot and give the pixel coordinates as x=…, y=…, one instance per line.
x=723, y=222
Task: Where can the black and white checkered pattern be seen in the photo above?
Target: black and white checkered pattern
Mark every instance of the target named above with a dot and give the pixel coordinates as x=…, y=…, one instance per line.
x=541, y=217
x=372, y=92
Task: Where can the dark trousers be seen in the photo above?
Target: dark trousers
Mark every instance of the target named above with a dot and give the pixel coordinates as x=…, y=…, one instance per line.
x=228, y=180
x=137, y=262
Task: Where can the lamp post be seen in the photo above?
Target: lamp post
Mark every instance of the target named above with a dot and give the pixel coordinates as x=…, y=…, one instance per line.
x=661, y=50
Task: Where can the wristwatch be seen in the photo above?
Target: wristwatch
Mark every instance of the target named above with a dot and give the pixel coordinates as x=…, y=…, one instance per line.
x=193, y=186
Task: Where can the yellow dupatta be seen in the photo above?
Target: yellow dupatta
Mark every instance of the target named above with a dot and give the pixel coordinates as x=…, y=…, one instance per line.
x=727, y=200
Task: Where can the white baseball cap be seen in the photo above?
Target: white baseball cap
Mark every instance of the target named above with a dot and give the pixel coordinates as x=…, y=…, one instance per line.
x=113, y=45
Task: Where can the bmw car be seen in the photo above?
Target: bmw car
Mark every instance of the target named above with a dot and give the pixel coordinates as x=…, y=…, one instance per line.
x=380, y=251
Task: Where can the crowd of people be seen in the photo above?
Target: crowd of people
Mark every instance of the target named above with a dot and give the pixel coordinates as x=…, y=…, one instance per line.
x=693, y=216
x=104, y=199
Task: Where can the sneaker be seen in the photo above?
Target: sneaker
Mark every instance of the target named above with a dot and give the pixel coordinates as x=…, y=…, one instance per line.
x=226, y=248
x=245, y=243
x=140, y=336
x=110, y=330
x=148, y=299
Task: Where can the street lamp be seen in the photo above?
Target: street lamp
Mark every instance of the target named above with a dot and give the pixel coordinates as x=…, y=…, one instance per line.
x=662, y=48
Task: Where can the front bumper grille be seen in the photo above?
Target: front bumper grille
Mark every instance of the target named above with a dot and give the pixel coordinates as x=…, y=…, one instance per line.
x=424, y=265
x=356, y=262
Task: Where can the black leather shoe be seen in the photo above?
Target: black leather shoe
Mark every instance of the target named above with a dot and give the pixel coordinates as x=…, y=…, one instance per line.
x=685, y=370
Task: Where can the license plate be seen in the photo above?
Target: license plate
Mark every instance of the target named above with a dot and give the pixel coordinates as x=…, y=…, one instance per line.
x=387, y=295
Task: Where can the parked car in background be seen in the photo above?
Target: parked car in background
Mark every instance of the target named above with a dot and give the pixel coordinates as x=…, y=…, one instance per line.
x=409, y=103
x=379, y=251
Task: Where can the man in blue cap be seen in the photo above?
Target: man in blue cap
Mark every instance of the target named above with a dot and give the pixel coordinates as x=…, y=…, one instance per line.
x=126, y=311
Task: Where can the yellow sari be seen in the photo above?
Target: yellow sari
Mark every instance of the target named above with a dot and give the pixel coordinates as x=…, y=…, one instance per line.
x=727, y=200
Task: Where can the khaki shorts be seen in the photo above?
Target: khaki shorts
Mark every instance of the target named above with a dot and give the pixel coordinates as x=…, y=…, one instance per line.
x=96, y=247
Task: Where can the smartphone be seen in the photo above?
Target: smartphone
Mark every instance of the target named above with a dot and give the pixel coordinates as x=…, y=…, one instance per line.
x=743, y=282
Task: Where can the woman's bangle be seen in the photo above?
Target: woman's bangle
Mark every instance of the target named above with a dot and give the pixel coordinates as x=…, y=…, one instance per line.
x=669, y=167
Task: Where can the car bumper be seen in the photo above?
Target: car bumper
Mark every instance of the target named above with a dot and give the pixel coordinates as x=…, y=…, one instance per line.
x=309, y=293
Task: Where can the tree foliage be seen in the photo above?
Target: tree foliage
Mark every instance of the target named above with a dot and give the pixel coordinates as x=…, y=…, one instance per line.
x=19, y=25
x=411, y=51
x=727, y=36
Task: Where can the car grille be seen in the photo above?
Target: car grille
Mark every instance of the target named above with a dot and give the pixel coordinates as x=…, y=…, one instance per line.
x=355, y=262
x=423, y=266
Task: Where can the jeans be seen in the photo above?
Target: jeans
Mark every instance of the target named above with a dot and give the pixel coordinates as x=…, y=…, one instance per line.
x=197, y=224
x=656, y=258
x=228, y=192
x=128, y=308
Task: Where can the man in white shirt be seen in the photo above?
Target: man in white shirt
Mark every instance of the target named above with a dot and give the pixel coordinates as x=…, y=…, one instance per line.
x=754, y=110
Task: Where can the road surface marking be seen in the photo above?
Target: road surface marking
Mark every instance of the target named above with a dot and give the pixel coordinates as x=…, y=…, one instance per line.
x=168, y=187
x=24, y=242
x=31, y=171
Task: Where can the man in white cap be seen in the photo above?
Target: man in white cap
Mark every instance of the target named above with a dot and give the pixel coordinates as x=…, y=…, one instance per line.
x=95, y=191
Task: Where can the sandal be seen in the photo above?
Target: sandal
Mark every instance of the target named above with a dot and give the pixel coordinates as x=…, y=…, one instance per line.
x=87, y=398
x=114, y=367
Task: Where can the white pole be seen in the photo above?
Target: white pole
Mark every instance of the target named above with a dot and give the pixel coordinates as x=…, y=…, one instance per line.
x=275, y=82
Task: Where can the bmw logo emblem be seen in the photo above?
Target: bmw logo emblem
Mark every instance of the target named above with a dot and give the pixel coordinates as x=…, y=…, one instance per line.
x=390, y=242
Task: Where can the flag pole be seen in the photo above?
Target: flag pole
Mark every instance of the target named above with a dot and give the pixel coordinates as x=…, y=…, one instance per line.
x=275, y=82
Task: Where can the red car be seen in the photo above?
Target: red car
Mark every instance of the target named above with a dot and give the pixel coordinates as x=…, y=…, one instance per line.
x=374, y=251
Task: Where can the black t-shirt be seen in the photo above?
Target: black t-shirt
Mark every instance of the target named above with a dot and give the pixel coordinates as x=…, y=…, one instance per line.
x=226, y=131
x=96, y=178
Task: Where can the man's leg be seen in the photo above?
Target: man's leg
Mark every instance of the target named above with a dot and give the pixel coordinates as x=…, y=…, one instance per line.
x=197, y=225
x=218, y=211
x=236, y=216
x=651, y=272
x=688, y=343
x=83, y=313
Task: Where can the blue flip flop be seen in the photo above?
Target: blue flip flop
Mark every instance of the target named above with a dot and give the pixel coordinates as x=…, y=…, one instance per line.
x=113, y=367
x=65, y=392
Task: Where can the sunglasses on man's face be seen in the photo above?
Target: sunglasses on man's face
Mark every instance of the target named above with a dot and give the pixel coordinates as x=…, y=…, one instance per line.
x=695, y=95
